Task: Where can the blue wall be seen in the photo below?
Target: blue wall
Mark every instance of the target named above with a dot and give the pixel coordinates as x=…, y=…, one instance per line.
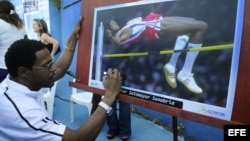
x=70, y=14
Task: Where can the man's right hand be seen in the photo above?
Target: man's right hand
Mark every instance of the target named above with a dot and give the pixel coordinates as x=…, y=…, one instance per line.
x=112, y=83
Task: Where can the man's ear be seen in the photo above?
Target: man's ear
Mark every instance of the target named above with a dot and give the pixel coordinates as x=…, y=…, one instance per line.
x=23, y=72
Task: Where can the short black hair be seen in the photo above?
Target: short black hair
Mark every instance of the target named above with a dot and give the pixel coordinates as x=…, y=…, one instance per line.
x=22, y=53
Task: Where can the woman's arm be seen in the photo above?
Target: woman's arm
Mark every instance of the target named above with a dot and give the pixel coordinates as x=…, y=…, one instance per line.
x=46, y=39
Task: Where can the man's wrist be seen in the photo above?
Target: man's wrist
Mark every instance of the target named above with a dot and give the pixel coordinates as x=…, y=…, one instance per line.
x=69, y=49
x=109, y=97
x=106, y=107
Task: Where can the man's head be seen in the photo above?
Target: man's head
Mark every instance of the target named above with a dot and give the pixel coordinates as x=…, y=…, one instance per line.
x=30, y=63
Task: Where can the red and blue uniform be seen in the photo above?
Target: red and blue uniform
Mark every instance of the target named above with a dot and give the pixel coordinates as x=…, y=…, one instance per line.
x=147, y=28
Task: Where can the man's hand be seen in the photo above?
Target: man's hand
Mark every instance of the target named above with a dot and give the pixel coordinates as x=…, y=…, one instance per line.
x=77, y=27
x=112, y=83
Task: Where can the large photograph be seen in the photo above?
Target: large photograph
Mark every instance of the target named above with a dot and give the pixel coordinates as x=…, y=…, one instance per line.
x=181, y=53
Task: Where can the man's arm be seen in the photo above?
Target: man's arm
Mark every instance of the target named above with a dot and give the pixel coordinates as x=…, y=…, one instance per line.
x=66, y=57
x=111, y=82
x=92, y=127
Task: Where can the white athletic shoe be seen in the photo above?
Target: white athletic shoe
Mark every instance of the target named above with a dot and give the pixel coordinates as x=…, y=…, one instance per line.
x=189, y=82
x=170, y=75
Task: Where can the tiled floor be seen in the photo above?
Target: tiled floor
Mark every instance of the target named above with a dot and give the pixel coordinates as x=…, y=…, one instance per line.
x=142, y=130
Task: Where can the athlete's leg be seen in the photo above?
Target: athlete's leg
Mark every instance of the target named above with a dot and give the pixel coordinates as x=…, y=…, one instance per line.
x=190, y=58
x=181, y=25
x=170, y=67
x=175, y=26
x=185, y=75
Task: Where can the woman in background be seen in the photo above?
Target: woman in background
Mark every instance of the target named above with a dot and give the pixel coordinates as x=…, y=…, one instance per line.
x=11, y=29
x=40, y=27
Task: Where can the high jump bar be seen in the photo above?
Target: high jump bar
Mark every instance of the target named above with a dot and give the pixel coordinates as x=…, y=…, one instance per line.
x=208, y=48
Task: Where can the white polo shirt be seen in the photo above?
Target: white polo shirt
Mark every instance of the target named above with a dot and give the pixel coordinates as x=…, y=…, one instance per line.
x=23, y=116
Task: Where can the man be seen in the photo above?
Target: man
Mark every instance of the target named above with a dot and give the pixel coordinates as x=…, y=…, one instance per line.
x=188, y=31
x=31, y=71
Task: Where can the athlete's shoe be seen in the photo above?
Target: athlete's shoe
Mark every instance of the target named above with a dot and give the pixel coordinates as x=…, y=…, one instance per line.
x=189, y=82
x=170, y=75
